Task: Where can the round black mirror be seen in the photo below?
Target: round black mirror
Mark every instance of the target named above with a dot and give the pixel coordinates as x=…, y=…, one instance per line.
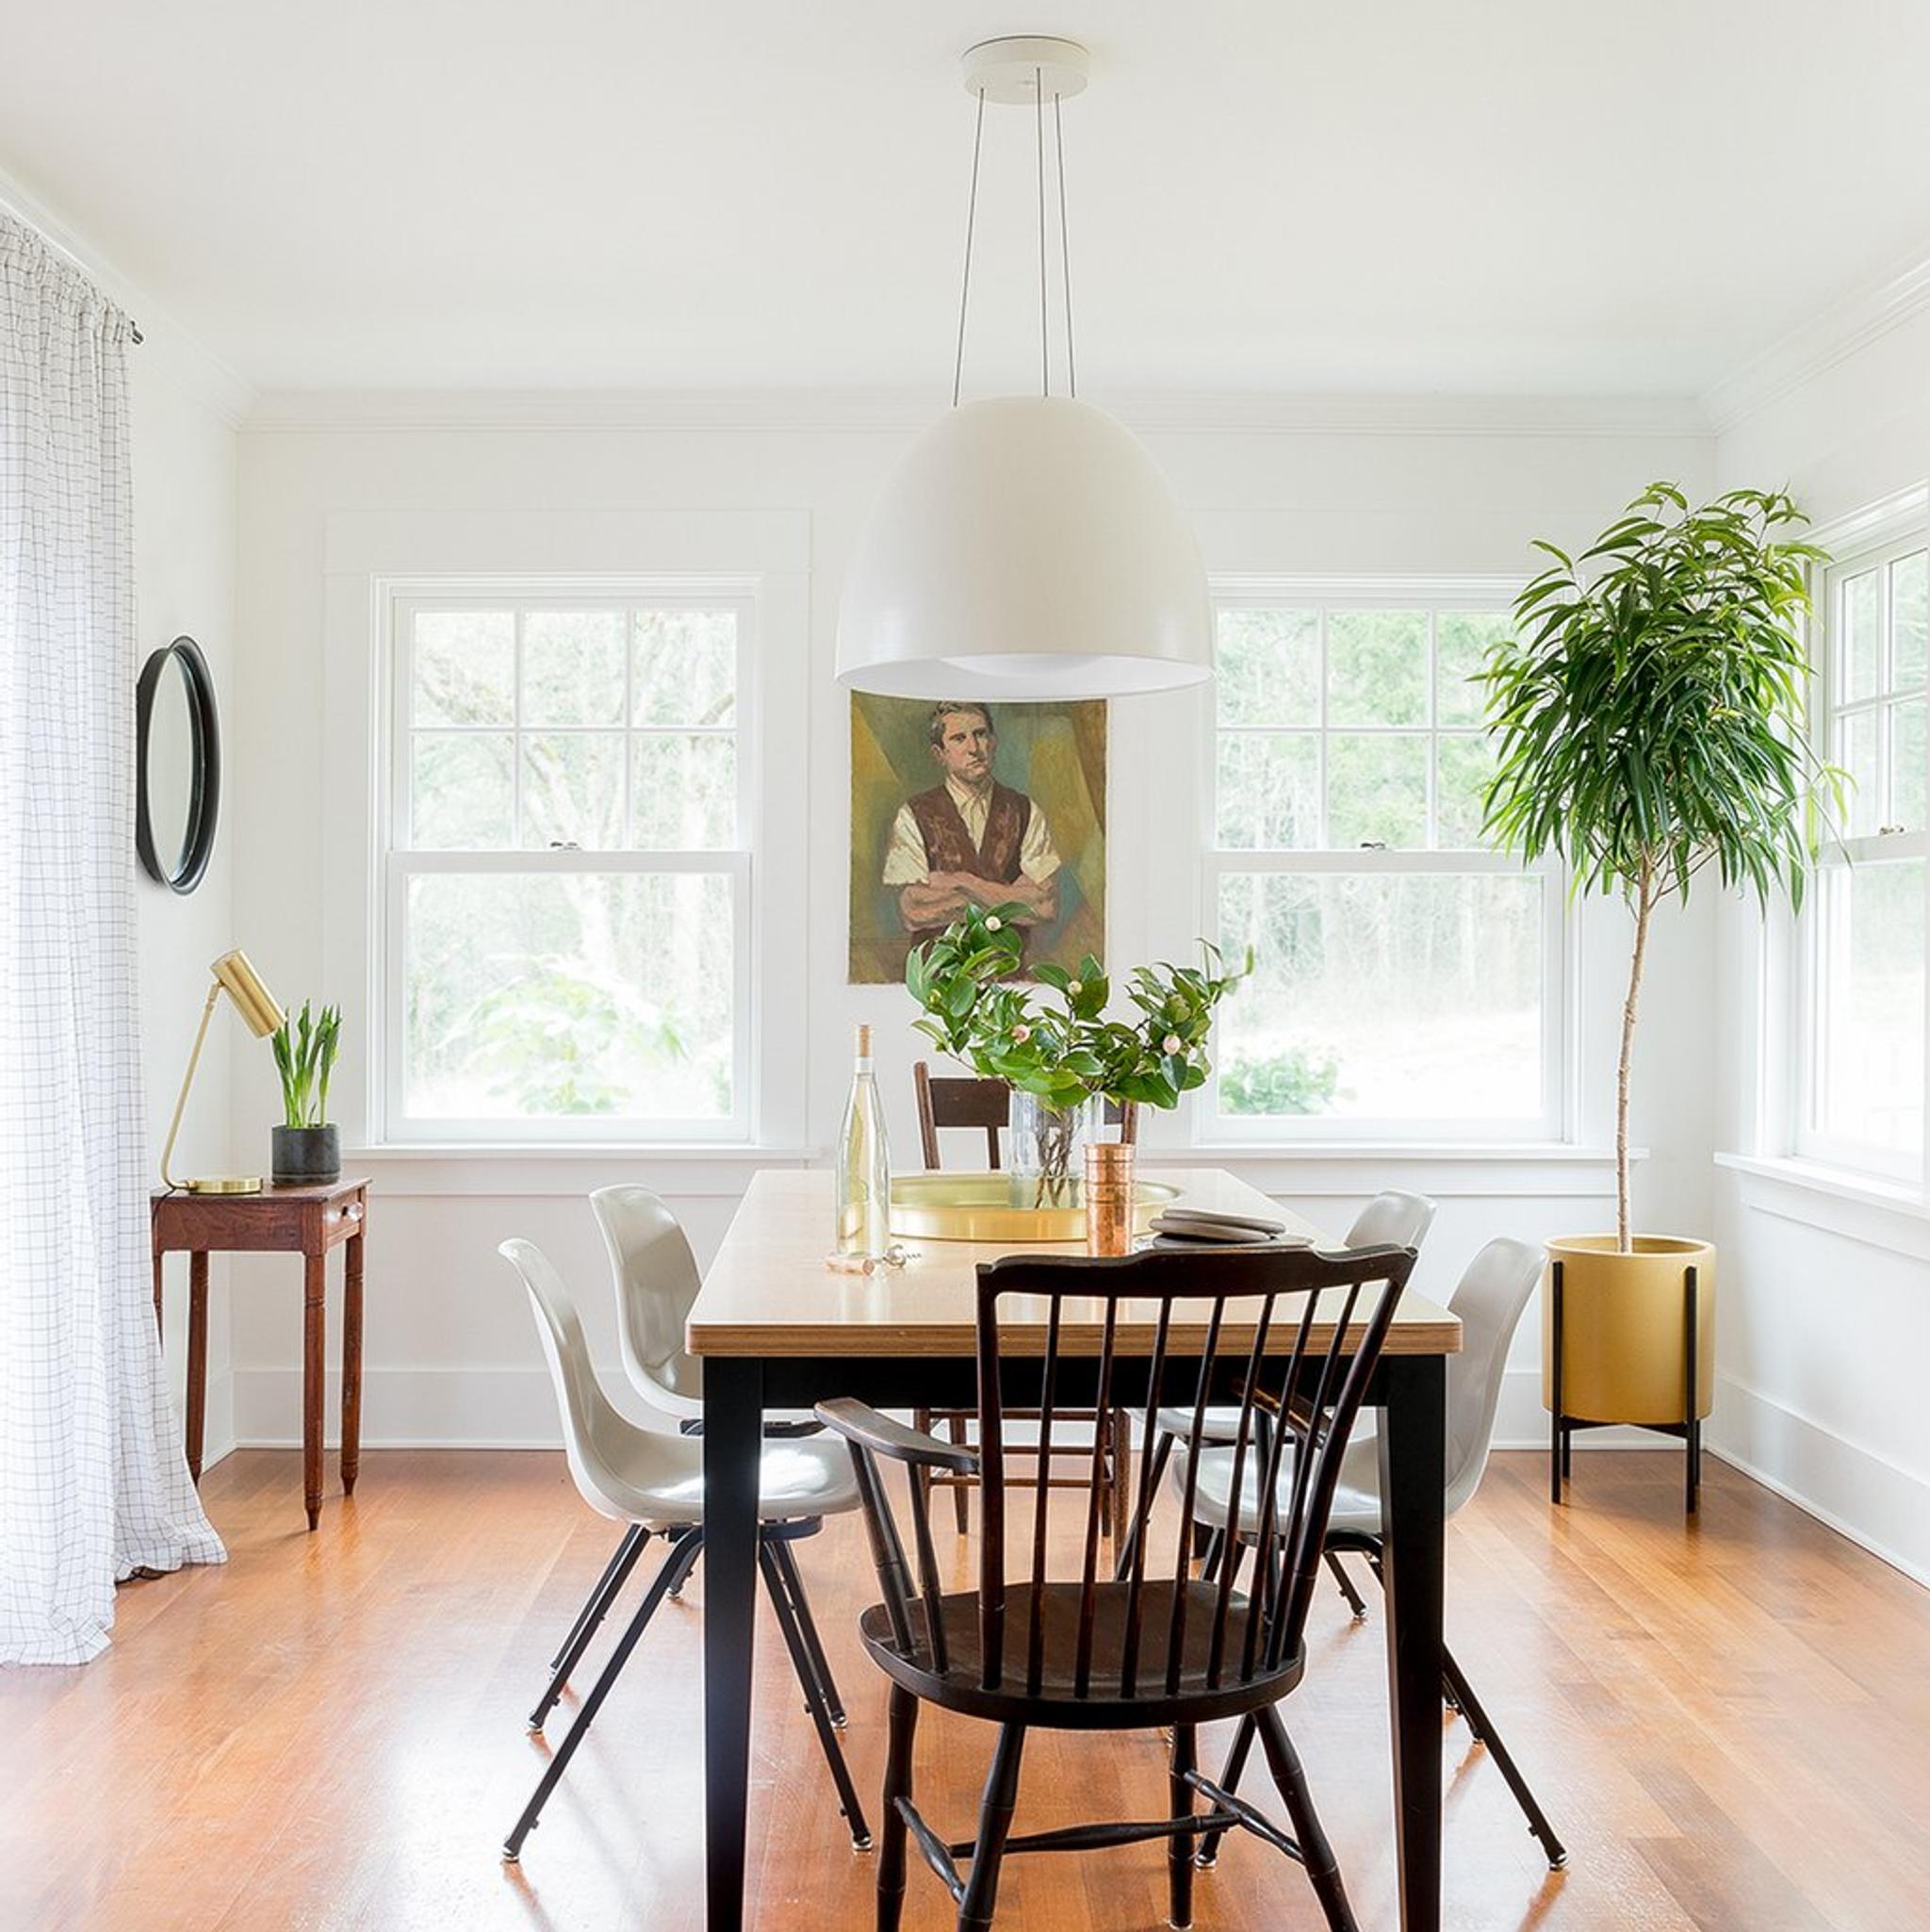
x=179, y=782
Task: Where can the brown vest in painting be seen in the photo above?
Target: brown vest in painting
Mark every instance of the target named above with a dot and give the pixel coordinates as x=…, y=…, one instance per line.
x=948, y=846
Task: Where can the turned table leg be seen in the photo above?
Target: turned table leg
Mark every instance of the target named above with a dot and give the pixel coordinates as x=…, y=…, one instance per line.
x=315, y=1268
x=352, y=1363
x=197, y=1358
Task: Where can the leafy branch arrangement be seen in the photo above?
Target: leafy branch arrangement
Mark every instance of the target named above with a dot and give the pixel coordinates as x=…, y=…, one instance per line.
x=1649, y=717
x=306, y=1047
x=1064, y=1049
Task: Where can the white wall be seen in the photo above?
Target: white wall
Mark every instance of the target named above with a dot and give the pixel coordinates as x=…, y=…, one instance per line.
x=185, y=464
x=1825, y=1311
x=451, y=1356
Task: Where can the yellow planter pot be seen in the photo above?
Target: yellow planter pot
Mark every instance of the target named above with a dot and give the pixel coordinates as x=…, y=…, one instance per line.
x=1623, y=1325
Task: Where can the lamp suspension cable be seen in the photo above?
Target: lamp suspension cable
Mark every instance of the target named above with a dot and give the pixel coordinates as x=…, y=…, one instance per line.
x=1058, y=134
x=1038, y=142
x=970, y=219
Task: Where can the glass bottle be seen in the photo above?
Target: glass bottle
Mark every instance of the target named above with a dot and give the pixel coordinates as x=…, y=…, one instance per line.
x=865, y=1163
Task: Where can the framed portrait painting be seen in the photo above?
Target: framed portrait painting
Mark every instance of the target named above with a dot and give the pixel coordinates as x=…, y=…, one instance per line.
x=958, y=803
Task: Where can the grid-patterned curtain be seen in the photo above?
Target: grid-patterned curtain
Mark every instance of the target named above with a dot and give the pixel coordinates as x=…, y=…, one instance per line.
x=92, y=1482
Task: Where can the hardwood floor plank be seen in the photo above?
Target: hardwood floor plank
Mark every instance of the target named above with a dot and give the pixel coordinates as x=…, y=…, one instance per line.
x=1725, y=1720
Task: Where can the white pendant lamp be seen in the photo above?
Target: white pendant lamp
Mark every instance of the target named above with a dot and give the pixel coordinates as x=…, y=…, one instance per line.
x=1026, y=547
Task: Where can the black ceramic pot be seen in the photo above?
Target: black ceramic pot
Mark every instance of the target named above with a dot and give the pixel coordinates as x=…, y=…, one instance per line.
x=307, y=1154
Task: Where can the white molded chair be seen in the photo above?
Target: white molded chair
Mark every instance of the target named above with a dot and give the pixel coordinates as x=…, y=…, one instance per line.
x=1390, y=1220
x=654, y=1482
x=1490, y=1299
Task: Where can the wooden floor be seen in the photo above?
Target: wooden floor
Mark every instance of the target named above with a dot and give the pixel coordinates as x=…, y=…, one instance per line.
x=1730, y=1722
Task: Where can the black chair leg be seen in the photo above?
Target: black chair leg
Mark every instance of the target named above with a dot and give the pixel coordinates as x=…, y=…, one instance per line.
x=687, y=1561
x=1332, y=1559
x=994, y=1826
x=1179, y=1850
x=606, y=1593
x=807, y=1629
x=902, y=1728
x=1233, y=1770
x=813, y=1696
x=1216, y=1550
x=1160, y=1450
x=1316, y=1852
x=1486, y=1734
x=630, y=1539
x=533, y=1811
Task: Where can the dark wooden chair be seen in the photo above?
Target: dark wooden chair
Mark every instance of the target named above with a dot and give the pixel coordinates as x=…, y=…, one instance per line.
x=1066, y=1646
x=958, y=1100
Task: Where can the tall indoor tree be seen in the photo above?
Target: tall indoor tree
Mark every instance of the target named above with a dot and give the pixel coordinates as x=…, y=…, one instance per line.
x=1649, y=718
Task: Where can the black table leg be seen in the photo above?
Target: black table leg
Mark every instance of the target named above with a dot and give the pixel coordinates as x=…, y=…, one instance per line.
x=1414, y=1478
x=733, y=1429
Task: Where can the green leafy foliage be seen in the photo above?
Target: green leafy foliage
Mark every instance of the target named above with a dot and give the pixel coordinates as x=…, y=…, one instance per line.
x=1649, y=717
x=1297, y=1081
x=1064, y=1048
x=306, y=1047
x=559, y=1038
x=1648, y=713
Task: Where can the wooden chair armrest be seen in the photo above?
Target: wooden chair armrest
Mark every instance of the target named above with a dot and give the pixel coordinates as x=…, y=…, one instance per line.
x=860, y=1423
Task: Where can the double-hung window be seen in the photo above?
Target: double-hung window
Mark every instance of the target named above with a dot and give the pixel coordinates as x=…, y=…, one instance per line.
x=568, y=917
x=1863, y=977
x=1410, y=979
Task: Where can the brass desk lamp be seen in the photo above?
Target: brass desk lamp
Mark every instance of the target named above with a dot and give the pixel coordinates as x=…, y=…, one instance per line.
x=258, y=1006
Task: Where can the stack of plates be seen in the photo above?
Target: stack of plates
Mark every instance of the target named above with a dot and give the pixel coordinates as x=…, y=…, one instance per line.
x=1181, y=1226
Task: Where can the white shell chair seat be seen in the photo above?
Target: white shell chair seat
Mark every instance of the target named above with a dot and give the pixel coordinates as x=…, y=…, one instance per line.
x=657, y=1280
x=1489, y=1300
x=634, y=1475
x=1391, y=1219
x=654, y=1482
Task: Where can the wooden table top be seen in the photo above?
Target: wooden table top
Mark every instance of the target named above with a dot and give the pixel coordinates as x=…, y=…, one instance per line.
x=769, y=1292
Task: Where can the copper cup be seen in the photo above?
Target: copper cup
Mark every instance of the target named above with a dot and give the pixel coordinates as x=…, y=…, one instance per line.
x=1109, y=1198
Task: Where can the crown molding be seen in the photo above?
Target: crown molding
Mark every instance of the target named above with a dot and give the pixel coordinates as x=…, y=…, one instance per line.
x=188, y=362
x=905, y=410
x=1834, y=333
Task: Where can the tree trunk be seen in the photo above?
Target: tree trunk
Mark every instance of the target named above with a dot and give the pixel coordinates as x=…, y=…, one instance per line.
x=1644, y=904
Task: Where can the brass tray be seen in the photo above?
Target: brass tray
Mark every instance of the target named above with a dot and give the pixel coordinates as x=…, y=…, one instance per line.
x=1003, y=1207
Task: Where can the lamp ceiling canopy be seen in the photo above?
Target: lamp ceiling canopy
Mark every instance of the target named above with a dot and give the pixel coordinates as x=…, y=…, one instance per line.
x=1026, y=547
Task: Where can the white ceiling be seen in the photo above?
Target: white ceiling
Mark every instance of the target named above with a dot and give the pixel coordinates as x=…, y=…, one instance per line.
x=1507, y=196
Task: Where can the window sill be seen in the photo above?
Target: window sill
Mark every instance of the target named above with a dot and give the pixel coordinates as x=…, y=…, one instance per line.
x=1468, y=1170
x=1862, y=1208
x=510, y=1170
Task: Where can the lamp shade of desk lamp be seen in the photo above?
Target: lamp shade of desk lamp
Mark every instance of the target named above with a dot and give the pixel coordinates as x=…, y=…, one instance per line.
x=235, y=975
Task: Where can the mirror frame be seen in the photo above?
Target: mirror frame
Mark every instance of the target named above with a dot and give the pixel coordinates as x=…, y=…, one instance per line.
x=205, y=797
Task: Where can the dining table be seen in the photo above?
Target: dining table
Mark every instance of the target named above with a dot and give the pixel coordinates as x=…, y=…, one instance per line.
x=777, y=1328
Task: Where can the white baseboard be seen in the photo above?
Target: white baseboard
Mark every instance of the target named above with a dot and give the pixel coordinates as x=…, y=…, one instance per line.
x=407, y=1408
x=515, y=1408
x=1878, y=1506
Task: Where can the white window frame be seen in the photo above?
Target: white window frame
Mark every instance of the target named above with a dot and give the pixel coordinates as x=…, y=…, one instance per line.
x=1551, y=1123
x=399, y=863
x=1871, y=540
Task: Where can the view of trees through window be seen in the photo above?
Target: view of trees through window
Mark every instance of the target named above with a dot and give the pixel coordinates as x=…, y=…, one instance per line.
x=600, y=977
x=1402, y=967
x=1867, y=1041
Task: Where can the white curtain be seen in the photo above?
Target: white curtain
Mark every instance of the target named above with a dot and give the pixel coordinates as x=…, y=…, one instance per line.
x=92, y=1481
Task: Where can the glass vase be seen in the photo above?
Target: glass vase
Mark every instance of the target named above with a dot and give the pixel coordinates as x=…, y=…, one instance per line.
x=1047, y=1149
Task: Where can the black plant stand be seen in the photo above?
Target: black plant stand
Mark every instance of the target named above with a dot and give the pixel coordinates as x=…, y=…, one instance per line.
x=1688, y=1430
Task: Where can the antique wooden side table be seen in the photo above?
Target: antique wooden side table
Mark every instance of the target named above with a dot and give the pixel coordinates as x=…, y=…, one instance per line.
x=300, y=1219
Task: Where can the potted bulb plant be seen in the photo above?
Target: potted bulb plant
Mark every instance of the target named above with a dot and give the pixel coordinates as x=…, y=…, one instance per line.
x=1061, y=1054
x=307, y=1146
x=1648, y=721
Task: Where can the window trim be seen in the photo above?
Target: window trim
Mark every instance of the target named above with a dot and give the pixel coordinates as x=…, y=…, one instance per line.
x=396, y=865
x=1553, y=1125
x=1870, y=539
